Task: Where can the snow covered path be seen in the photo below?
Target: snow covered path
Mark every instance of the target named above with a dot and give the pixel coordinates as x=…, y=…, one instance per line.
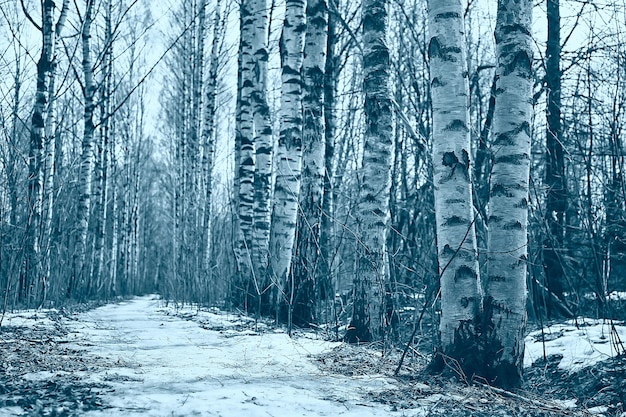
x=141, y=358
x=165, y=365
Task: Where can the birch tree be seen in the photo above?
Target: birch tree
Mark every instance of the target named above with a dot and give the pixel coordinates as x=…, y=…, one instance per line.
x=104, y=154
x=41, y=153
x=505, y=289
x=331, y=74
x=87, y=156
x=367, y=323
x=456, y=242
x=208, y=140
x=307, y=268
x=263, y=144
x=289, y=152
x=244, y=154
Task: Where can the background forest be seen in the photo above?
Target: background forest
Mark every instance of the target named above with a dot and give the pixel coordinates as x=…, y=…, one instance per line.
x=156, y=148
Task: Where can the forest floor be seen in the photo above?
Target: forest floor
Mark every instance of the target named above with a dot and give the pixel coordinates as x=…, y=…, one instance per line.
x=143, y=358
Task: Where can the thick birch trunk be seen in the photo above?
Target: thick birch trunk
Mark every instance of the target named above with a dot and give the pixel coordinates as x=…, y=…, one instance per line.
x=306, y=268
x=456, y=242
x=289, y=152
x=372, y=215
x=505, y=289
x=262, y=137
x=245, y=155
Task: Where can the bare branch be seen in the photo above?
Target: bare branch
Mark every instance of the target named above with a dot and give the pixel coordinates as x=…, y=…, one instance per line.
x=346, y=26
x=422, y=142
x=28, y=16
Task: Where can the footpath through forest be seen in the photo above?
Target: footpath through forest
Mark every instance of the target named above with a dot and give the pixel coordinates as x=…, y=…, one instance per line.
x=140, y=357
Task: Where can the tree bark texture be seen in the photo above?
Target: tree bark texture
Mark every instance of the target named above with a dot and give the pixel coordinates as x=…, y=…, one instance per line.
x=372, y=270
x=104, y=154
x=35, y=279
x=263, y=143
x=505, y=288
x=245, y=155
x=209, y=139
x=456, y=241
x=306, y=270
x=289, y=151
x=331, y=74
x=87, y=158
x=30, y=276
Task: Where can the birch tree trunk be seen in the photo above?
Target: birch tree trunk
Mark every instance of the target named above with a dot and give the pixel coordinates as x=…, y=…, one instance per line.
x=289, y=152
x=41, y=159
x=306, y=268
x=196, y=216
x=113, y=288
x=104, y=181
x=50, y=147
x=372, y=267
x=505, y=289
x=331, y=74
x=86, y=165
x=456, y=242
x=245, y=156
x=262, y=137
x=209, y=139
x=30, y=275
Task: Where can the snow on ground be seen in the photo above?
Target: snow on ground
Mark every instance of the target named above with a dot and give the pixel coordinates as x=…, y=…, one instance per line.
x=581, y=342
x=28, y=318
x=156, y=361
x=617, y=296
x=172, y=366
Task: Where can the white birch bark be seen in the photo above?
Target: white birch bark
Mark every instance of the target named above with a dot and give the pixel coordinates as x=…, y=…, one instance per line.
x=245, y=153
x=32, y=266
x=107, y=87
x=49, y=156
x=505, y=289
x=289, y=151
x=87, y=158
x=262, y=136
x=456, y=242
x=372, y=215
x=306, y=267
x=209, y=139
x=40, y=174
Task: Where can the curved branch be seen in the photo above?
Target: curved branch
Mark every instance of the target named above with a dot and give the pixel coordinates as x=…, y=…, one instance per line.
x=28, y=16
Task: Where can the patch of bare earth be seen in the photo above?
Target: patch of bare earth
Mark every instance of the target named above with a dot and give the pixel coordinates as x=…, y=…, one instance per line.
x=543, y=393
x=43, y=374
x=600, y=387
